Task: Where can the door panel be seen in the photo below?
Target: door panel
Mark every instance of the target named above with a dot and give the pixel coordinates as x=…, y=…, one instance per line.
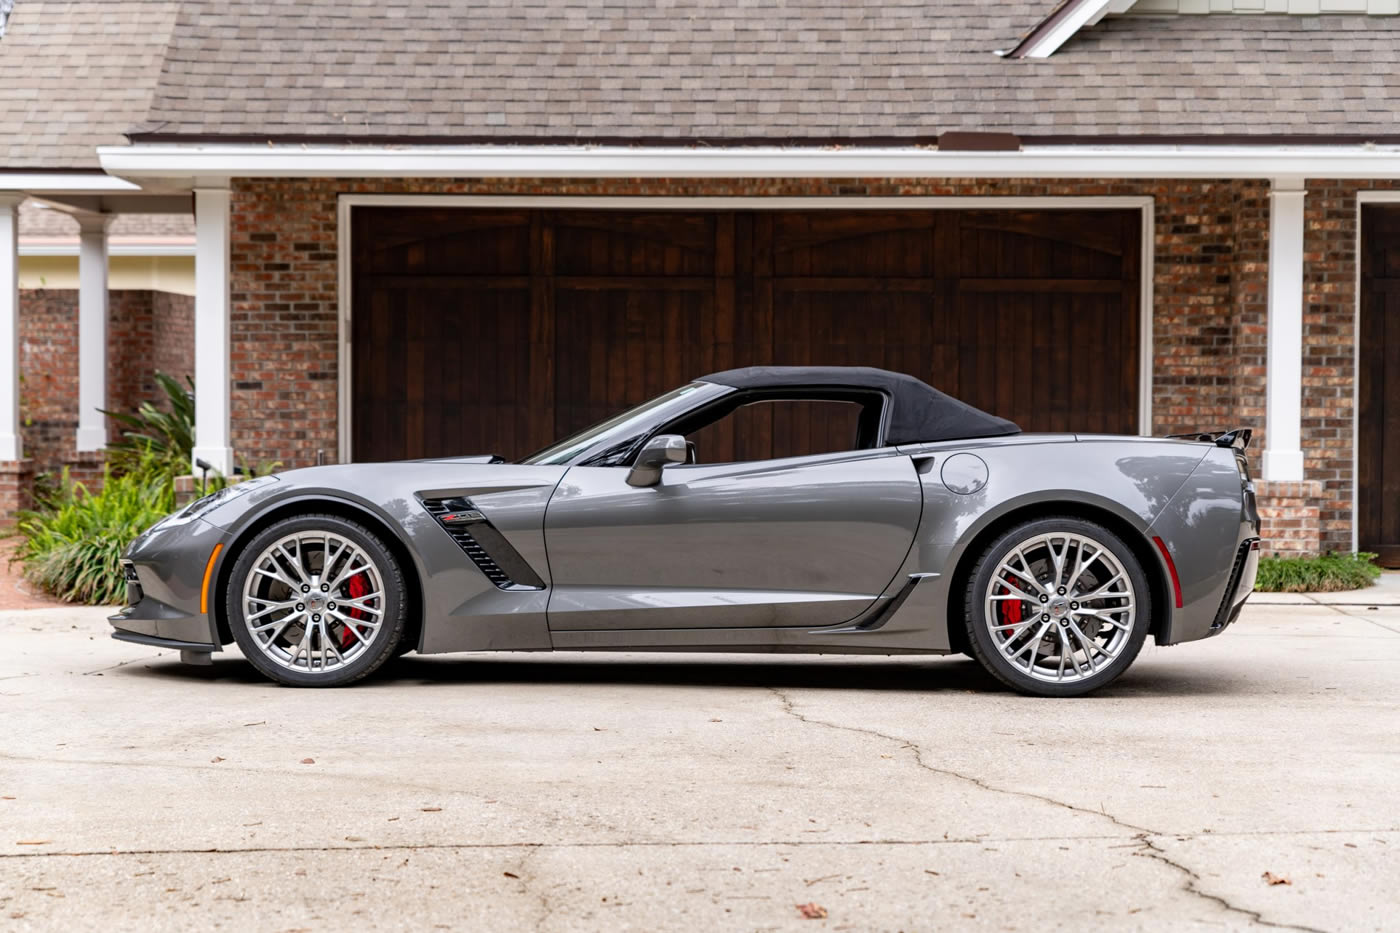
x=807, y=541
x=501, y=330
x=1378, y=390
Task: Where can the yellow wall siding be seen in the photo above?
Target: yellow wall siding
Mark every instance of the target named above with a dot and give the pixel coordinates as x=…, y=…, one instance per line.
x=158, y=273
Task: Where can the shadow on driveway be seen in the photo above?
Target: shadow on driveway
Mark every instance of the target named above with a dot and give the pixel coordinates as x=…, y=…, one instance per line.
x=935, y=675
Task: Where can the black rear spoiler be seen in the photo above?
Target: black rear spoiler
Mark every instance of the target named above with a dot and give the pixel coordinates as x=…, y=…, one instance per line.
x=1239, y=437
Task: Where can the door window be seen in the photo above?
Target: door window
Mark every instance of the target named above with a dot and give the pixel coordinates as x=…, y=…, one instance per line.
x=770, y=429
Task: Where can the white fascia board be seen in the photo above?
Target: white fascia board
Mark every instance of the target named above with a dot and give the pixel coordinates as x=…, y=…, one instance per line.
x=195, y=162
x=113, y=249
x=65, y=183
x=1083, y=14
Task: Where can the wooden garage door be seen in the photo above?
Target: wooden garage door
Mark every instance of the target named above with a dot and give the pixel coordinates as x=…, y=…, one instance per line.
x=501, y=330
x=1378, y=391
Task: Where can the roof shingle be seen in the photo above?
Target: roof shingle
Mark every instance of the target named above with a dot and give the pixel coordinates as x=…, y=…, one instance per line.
x=74, y=75
x=808, y=69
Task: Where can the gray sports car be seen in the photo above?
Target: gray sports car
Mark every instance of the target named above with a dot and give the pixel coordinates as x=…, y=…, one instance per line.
x=931, y=527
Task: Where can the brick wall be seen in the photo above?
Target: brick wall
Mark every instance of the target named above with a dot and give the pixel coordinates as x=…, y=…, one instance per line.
x=172, y=322
x=1209, y=321
x=1291, y=516
x=146, y=330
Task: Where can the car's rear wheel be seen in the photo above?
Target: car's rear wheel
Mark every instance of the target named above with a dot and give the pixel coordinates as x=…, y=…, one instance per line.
x=1057, y=607
x=316, y=601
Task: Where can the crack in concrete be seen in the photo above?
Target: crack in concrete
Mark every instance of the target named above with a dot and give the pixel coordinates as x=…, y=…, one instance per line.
x=903, y=743
x=1337, y=608
x=1151, y=850
x=1146, y=848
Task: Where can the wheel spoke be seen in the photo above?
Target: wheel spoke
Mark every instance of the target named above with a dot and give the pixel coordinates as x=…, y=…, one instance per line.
x=1057, y=561
x=1018, y=593
x=358, y=603
x=272, y=607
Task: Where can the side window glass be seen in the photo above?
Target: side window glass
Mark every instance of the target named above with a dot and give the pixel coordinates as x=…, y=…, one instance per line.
x=783, y=428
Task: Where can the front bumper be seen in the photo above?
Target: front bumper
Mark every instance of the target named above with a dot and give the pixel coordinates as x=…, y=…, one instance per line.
x=165, y=573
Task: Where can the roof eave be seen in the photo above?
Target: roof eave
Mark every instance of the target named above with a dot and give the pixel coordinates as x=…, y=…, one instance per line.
x=214, y=164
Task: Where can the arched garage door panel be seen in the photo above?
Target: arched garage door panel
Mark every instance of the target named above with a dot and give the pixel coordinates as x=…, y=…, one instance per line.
x=501, y=330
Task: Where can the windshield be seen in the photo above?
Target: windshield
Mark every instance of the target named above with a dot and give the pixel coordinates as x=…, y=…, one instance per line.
x=615, y=431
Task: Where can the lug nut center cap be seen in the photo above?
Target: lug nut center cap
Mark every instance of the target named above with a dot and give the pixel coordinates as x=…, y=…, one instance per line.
x=1058, y=608
x=315, y=602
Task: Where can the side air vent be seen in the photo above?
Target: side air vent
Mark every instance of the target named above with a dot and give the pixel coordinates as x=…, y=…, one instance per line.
x=479, y=540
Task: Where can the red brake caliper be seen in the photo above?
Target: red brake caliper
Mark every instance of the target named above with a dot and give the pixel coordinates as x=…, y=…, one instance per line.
x=1011, y=608
x=359, y=586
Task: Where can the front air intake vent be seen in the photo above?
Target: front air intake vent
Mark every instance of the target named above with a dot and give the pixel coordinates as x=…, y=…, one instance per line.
x=487, y=548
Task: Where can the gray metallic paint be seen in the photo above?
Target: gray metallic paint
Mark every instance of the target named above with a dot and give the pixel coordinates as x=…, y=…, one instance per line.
x=788, y=555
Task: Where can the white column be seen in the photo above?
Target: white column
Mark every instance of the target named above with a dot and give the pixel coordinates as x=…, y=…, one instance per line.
x=1283, y=457
x=211, y=329
x=11, y=447
x=92, y=330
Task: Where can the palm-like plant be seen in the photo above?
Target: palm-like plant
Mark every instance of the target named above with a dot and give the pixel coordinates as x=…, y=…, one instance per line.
x=165, y=435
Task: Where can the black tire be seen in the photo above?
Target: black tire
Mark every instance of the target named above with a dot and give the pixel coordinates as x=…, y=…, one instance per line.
x=379, y=647
x=983, y=645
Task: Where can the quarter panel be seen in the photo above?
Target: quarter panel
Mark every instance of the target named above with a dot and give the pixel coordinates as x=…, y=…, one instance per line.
x=1131, y=478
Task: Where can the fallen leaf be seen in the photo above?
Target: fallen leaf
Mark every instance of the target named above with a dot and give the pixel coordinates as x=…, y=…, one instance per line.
x=812, y=911
x=716, y=720
x=308, y=761
x=392, y=818
x=431, y=809
x=1271, y=878
x=260, y=722
x=930, y=871
x=511, y=874
x=354, y=839
x=215, y=760
x=596, y=729
x=7, y=798
x=32, y=842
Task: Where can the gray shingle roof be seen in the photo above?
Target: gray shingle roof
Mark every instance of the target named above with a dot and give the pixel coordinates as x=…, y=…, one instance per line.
x=74, y=75
x=636, y=69
x=36, y=221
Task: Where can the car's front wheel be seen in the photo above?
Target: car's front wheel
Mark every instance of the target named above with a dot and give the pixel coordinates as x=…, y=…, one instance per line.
x=316, y=601
x=1057, y=607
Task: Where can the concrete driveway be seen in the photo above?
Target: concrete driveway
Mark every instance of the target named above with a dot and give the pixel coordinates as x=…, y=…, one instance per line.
x=704, y=792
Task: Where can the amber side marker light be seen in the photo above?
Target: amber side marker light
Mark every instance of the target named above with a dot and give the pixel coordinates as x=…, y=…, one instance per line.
x=1171, y=566
x=214, y=555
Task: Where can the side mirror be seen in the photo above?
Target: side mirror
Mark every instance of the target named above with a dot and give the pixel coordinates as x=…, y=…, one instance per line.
x=657, y=453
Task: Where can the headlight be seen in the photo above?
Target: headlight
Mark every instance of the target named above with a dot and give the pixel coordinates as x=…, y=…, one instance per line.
x=199, y=506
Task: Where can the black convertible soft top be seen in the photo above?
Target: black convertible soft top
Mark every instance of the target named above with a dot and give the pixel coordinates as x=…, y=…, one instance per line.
x=919, y=412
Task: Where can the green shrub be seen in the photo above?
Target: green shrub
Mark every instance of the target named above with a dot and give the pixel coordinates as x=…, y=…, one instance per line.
x=73, y=542
x=1326, y=574
x=164, y=434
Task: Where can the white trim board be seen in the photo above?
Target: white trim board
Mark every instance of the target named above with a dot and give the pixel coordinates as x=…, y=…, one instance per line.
x=346, y=202
x=1362, y=198
x=183, y=163
x=113, y=249
x=65, y=183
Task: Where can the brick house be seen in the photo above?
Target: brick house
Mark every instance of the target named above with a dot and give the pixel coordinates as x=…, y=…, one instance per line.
x=423, y=229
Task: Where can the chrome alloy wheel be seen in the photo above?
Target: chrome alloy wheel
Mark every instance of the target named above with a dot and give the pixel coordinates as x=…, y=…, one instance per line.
x=1060, y=607
x=313, y=601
